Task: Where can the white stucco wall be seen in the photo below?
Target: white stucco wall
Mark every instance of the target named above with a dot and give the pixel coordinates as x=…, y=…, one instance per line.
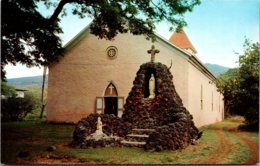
x=212, y=101
x=85, y=72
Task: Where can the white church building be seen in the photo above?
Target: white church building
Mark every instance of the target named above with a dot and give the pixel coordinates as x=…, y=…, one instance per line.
x=96, y=75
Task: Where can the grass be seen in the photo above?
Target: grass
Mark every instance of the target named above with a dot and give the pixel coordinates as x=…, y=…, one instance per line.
x=35, y=114
x=137, y=155
x=33, y=136
x=36, y=136
x=239, y=152
x=226, y=124
x=253, y=136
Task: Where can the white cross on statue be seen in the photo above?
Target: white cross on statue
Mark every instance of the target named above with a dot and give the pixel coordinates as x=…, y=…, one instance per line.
x=111, y=87
x=153, y=51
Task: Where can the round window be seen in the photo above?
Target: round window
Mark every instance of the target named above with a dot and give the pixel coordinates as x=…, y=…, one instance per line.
x=111, y=52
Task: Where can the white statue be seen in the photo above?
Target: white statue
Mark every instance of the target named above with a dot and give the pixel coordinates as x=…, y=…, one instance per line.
x=99, y=130
x=152, y=87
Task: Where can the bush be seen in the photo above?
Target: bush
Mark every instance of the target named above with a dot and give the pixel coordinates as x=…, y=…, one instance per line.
x=14, y=109
x=240, y=87
x=7, y=90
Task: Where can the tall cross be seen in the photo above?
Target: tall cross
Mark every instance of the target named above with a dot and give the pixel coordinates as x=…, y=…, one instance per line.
x=111, y=87
x=153, y=51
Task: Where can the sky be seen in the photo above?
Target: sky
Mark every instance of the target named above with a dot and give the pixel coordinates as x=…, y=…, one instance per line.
x=216, y=28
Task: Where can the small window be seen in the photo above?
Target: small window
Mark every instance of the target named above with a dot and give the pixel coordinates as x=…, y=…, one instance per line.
x=212, y=101
x=120, y=106
x=201, y=97
x=99, y=105
x=219, y=100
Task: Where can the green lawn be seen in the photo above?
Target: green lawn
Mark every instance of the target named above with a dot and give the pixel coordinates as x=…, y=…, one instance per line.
x=35, y=136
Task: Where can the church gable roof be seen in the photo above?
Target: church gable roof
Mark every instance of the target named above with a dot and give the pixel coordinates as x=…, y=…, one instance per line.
x=181, y=40
x=86, y=31
x=76, y=39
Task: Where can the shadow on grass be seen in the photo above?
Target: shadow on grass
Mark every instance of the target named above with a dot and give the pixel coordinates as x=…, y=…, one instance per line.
x=35, y=136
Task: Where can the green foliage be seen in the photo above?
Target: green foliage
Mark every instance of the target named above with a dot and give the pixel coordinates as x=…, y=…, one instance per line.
x=27, y=37
x=13, y=109
x=35, y=91
x=7, y=90
x=31, y=39
x=241, y=86
x=135, y=16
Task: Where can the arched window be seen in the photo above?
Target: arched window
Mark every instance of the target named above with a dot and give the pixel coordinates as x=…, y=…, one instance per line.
x=110, y=99
x=110, y=102
x=111, y=90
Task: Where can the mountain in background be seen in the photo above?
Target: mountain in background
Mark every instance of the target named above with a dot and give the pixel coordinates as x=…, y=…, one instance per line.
x=27, y=81
x=216, y=69
x=37, y=80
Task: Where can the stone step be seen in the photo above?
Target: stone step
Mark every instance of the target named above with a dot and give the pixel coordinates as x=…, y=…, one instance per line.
x=133, y=143
x=151, y=130
x=137, y=137
x=142, y=131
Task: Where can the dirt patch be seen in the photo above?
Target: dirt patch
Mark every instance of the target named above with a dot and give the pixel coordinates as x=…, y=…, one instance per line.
x=54, y=159
x=34, y=142
x=254, y=149
x=27, y=141
x=64, y=145
x=51, y=159
x=224, y=147
x=233, y=130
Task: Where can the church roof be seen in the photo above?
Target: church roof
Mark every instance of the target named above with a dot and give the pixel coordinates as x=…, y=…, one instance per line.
x=181, y=40
x=193, y=59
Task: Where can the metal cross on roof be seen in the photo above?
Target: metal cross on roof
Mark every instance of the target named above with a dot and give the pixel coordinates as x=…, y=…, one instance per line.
x=153, y=51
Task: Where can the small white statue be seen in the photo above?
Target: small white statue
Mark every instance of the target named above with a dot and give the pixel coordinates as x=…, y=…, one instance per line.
x=99, y=130
x=151, y=87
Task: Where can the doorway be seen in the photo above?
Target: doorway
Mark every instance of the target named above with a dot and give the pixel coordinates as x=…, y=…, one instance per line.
x=111, y=100
x=111, y=105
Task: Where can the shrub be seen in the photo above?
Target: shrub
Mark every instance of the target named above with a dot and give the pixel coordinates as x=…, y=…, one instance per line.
x=7, y=90
x=14, y=109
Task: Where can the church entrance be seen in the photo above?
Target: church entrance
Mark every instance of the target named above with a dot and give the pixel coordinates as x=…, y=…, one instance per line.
x=110, y=102
x=110, y=99
x=110, y=105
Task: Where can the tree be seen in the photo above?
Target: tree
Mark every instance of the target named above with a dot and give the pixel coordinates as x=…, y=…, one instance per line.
x=31, y=39
x=27, y=37
x=7, y=90
x=43, y=103
x=241, y=86
x=13, y=108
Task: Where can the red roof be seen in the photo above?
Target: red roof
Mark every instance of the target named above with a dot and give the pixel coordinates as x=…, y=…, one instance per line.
x=181, y=40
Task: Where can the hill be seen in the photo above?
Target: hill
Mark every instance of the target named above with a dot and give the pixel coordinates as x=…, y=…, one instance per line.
x=216, y=69
x=27, y=81
x=37, y=80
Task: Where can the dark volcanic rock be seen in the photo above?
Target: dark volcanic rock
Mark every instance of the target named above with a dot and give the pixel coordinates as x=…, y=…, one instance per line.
x=113, y=127
x=173, y=124
x=165, y=113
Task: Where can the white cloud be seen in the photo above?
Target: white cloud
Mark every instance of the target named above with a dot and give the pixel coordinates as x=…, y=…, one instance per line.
x=22, y=71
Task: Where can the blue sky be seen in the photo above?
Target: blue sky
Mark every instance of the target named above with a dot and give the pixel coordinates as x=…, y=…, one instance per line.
x=216, y=28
